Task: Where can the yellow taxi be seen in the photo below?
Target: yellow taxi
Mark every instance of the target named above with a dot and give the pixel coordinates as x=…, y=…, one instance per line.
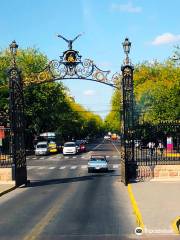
x=52, y=147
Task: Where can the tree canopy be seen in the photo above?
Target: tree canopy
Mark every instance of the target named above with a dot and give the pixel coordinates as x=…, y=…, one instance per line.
x=48, y=106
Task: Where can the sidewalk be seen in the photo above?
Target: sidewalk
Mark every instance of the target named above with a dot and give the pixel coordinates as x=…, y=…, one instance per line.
x=6, y=187
x=159, y=205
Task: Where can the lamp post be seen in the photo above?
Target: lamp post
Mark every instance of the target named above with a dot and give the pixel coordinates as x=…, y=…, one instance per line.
x=127, y=160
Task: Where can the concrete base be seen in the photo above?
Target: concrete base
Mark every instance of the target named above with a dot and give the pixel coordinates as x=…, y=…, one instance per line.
x=159, y=172
x=7, y=175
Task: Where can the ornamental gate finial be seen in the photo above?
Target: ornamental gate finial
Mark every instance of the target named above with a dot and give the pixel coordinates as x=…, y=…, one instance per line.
x=70, y=42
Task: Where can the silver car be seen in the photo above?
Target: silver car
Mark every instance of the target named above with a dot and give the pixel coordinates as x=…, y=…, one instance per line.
x=42, y=148
x=97, y=163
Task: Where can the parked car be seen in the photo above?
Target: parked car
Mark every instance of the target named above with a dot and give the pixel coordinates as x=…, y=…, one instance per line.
x=42, y=148
x=97, y=163
x=70, y=148
x=81, y=146
x=107, y=138
x=53, y=147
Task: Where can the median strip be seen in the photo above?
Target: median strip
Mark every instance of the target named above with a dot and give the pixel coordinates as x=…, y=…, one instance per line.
x=136, y=210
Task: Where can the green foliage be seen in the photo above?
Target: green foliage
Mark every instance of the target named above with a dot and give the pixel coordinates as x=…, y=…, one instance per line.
x=157, y=91
x=113, y=120
x=48, y=106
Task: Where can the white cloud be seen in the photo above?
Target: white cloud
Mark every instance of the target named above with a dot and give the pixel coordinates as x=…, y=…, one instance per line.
x=166, y=38
x=128, y=7
x=89, y=93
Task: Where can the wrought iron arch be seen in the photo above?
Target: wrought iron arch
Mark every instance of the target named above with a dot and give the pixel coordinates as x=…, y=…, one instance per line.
x=70, y=66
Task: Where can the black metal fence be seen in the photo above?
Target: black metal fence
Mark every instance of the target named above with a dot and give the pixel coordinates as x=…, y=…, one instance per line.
x=6, y=159
x=157, y=144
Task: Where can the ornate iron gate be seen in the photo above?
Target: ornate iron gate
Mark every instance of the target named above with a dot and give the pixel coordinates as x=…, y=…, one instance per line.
x=70, y=66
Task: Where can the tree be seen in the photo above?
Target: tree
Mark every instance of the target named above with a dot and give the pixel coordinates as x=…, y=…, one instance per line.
x=48, y=106
x=112, y=121
x=157, y=91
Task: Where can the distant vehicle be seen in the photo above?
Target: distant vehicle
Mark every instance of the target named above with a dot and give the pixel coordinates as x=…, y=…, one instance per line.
x=53, y=147
x=42, y=148
x=81, y=146
x=107, y=138
x=50, y=137
x=97, y=163
x=114, y=136
x=70, y=148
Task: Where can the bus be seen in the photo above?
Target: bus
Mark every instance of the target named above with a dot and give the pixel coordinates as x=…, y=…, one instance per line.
x=53, y=139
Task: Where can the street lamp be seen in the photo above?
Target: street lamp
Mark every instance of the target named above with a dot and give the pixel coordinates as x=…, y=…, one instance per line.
x=128, y=167
x=126, y=46
x=13, y=49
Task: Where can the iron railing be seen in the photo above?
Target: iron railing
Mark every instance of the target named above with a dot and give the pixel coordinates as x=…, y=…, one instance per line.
x=157, y=144
x=6, y=159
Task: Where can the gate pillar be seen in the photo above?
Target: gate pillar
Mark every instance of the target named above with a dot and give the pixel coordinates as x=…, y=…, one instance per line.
x=128, y=166
x=17, y=127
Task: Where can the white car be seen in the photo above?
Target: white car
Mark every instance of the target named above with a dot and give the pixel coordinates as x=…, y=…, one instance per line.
x=70, y=148
x=107, y=138
x=42, y=148
x=97, y=162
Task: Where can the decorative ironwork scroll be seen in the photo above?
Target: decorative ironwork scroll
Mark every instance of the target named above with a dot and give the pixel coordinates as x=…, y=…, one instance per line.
x=70, y=66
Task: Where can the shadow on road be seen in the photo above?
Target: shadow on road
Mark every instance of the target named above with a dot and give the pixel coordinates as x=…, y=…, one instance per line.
x=37, y=183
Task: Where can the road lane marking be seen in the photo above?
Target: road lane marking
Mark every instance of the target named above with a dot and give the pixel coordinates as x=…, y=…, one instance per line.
x=90, y=153
x=83, y=166
x=63, y=167
x=116, y=166
x=74, y=157
x=136, y=210
x=41, y=168
x=51, y=213
x=30, y=167
x=51, y=167
x=66, y=157
x=34, y=158
x=116, y=148
x=73, y=167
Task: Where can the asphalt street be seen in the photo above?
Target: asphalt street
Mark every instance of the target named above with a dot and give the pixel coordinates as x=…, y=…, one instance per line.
x=64, y=201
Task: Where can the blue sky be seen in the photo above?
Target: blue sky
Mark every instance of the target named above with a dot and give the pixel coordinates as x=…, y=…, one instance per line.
x=151, y=25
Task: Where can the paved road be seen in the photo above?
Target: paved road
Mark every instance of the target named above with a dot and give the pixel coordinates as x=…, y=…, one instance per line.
x=63, y=201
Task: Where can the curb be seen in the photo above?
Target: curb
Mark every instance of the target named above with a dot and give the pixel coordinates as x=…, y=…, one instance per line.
x=8, y=190
x=136, y=210
x=176, y=225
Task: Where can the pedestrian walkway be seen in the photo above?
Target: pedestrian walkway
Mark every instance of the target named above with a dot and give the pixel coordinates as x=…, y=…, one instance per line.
x=51, y=157
x=158, y=204
x=65, y=167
